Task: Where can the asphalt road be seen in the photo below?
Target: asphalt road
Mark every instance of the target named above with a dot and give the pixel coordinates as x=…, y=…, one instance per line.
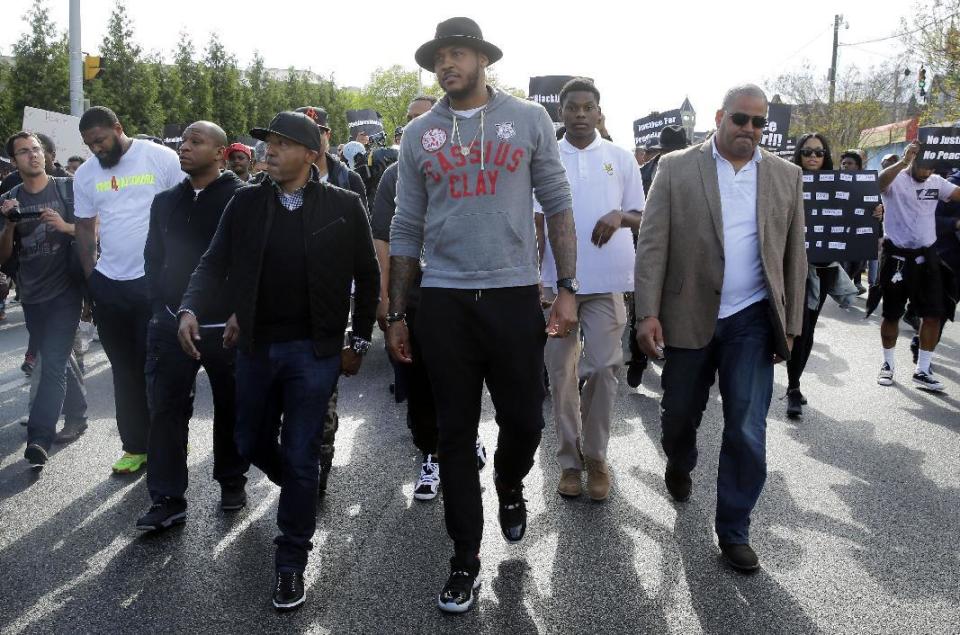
x=858, y=528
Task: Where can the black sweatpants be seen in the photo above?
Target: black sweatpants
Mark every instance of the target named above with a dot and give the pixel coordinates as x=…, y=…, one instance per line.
x=121, y=311
x=468, y=337
x=803, y=343
x=413, y=386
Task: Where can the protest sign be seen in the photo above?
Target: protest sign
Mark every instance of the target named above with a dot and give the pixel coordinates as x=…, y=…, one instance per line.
x=647, y=129
x=778, y=127
x=173, y=135
x=367, y=120
x=545, y=90
x=839, y=210
x=63, y=129
x=939, y=146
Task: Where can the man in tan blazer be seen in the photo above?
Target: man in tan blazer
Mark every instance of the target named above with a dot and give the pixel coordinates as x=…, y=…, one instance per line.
x=720, y=272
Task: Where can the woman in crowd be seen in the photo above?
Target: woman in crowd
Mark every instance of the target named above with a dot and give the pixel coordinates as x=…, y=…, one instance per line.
x=823, y=279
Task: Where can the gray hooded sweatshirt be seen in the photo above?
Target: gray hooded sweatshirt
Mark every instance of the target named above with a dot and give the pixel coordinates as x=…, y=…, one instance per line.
x=468, y=214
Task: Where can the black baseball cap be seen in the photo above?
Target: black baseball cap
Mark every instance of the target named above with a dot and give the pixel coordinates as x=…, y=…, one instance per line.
x=295, y=126
x=317, y=113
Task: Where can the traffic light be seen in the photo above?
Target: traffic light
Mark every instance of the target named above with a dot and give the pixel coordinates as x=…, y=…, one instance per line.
x=922, y=81
x=91, y=67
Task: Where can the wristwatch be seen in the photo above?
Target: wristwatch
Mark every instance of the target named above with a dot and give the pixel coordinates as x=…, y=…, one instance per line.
x=359, y=345
x=570, y=284
x=396, y=317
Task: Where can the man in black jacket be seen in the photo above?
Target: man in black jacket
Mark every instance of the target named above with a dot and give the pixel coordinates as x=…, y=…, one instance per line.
x=287, y=252
x=183, y=220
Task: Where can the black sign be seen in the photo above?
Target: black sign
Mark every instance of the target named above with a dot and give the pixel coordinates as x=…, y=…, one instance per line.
x=939, y=146
x=545, y=90
x=173, y=135
x=778, y=127
x=367, y=120
x=786, y=152
x=647, y=130
x=839, y=215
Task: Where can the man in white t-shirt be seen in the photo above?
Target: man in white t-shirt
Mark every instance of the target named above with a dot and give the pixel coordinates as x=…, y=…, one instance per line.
x=116, y=190
x=910, y=267
x=608, y=201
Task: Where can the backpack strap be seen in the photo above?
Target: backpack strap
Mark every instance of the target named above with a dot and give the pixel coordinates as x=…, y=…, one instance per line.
x=64, y=187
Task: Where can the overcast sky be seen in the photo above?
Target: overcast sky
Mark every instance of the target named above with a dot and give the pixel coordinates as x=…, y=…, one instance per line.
x=644, y=55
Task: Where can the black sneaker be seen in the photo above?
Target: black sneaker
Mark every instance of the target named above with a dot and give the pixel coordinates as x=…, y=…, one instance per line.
x=71, y=431
x=36, y=456
x=915, y=348
x=289, y=593
x=513, y=512
x=741, y=557
x=456, y=596
x=232, y=497
x=634, y=374
x=678, y=483
x=927, y=381
x=794, y=403
x=165, y=513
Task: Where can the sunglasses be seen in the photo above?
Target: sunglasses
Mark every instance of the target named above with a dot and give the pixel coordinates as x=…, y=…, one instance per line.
x=741, y=119
x=819, y=153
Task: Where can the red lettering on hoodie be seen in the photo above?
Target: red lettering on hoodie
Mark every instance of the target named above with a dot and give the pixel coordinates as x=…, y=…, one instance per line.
x=492, y=175
x=503, y=151
x=428, y=171
x=445, y=164
x=515, y=160
x=454, y=192
x=458, y=158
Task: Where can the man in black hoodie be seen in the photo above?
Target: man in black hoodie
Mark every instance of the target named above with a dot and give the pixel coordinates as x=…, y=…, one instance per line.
x=183, y=220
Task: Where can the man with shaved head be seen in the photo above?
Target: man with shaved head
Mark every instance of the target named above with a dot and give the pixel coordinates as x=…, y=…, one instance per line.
x=183, y=220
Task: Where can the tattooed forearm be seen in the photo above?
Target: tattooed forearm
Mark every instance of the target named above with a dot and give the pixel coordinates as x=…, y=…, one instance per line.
x=86, y=239
x=402, y=272
x=563, y=240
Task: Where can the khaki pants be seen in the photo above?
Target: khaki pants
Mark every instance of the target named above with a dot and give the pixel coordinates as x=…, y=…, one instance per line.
x=582, y=419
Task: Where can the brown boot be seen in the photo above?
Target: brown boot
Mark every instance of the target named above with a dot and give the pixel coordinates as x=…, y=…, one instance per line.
x=598, y=479
x=570, y=483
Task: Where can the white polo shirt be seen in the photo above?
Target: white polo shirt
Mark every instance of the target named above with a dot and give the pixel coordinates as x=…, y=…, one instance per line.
x=909, y=209
x=603, y=177
x=743, y=282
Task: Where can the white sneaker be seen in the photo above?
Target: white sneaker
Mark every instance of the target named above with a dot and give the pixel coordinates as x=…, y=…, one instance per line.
x=481, y=456
x=927, y=381
x=885, y=377
x=429, y=481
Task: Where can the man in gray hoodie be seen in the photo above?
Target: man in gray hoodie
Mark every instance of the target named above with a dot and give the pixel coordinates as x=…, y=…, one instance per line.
x=468, y=168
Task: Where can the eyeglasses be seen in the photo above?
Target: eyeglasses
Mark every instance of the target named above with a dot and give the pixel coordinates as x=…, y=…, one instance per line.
x=741, y=119
x=28, y=151
x=809, y=152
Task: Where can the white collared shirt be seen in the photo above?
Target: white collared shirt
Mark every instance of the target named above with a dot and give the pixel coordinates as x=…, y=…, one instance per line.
x=743, y=282
x=603, y=177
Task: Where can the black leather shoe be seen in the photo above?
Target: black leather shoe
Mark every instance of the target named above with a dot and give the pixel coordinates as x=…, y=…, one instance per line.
x=513, y=512
x=794, y=403
x=678, y=483
x=288, y=593
x=739, y=556
x=634, y=374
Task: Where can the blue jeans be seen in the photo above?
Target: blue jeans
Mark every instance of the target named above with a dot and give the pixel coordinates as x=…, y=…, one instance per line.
x=741, y=352
x=286, y=379
x=53, y=325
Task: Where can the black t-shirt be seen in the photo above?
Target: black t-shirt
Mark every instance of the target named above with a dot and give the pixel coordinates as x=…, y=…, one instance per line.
x=283, y=304
x=384, y=208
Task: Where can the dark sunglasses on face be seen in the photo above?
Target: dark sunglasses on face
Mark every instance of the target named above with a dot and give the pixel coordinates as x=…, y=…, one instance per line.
x=808, y=152
x=741, y=119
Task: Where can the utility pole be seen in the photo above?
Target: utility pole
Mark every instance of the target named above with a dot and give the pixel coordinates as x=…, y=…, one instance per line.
x=76, y=61
x=837, y=19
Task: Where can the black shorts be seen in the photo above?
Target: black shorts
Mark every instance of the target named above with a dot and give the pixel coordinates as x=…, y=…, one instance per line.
x=902, y=278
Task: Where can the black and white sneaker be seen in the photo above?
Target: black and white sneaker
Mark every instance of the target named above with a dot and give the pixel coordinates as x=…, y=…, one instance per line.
x=289, y=592
x=457, y=594
x=481, y=455
x=429, y=481
x=36, y=456
x=513, y=512
x=927, y=381
x=885, y=376
x=163, y=514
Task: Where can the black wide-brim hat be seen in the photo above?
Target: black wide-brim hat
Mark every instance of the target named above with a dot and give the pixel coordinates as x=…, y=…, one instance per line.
x=456, y=32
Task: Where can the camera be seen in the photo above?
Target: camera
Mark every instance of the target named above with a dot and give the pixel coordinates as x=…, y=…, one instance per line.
x=379, y=140
x=16, y=215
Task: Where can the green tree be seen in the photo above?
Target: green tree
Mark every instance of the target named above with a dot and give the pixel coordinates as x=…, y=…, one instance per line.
x=253, y=90
x=173, y=102
x=196, y=82
x=128, y=84
x=41, y=69
x=390, y=91
x=224, y=76
x=9, y=122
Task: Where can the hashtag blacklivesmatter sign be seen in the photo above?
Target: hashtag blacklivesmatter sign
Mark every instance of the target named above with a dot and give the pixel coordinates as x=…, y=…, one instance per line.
x=939, y=146
x=839, y=210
